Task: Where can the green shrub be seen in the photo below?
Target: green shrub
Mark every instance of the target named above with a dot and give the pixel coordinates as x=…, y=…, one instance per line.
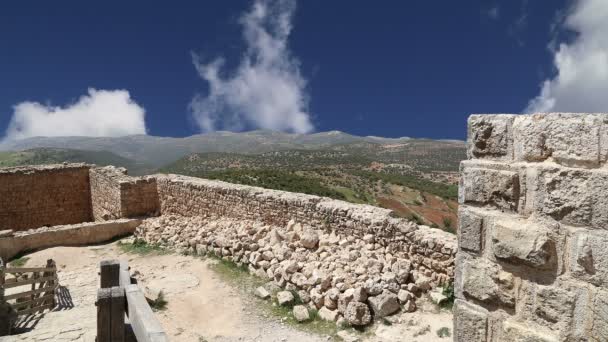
x=443, y=332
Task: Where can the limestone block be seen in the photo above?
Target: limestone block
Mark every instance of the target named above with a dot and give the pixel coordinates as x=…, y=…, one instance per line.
x=589, y=256
x=599, y=330
x=570, y=139
x=572, y=196
x=470, y=230
x=470, y=322
x=554, y=304
x=489, y=136
x=516, y=332
x=487, y=283
x=498, y=188
x=520, y=242
x=384, y=304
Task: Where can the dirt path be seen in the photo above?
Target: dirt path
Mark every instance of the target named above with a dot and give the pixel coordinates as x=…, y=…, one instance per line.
x=201, y=305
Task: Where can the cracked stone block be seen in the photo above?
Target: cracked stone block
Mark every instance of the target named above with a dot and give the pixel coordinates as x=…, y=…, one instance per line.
x=599, y=329
x=487, y=283
x=470, y=230
x=516, y=332
x=470, y=322
x=519, y=242
x=572, y=196
x=489, y=136
x=569, y=139
x=589, y=256
x=498, y=188
x=554, y=304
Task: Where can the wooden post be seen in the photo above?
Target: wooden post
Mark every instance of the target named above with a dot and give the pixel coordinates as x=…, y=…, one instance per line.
x=104, y=314
x=117, y=324
x=110, y=273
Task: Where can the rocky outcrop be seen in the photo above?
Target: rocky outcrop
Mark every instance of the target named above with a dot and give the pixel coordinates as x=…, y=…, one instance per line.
x=532, y=262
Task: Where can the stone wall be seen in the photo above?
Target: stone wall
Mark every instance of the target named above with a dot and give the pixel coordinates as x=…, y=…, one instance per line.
x=44, y=196
x=431, y=250
x=532, y=263
x=349, y=261
x=115, y=194
x=82, y=234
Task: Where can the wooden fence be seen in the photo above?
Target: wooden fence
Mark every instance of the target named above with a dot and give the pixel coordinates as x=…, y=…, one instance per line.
x=116, y=297
x=42, y=283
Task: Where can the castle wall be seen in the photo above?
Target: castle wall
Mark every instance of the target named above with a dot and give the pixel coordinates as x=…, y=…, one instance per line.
x=38, y=196
x=532, y=263
x=115, y=195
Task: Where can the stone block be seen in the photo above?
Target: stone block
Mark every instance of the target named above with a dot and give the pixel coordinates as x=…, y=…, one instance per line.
x=517, y=332
x=497, y=188
x=470, y=235
x=470, y=322
x=571, y=196
x=554, y=305
x=519, y=242
x=489, y=136
x=487, y=283
x=569, y=139
x=589, y=256
x=599, y=324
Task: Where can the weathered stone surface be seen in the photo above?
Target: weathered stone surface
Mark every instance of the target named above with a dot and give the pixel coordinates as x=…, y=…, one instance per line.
x=599, y=320
x=489, y=136
x=357, y=314
x=487, y=283
x=261, y=292
x=300, y=313
x=384, y=304
x=328, y=315
x=589, y=256
x=570, y=139
x=285, y=298
x=470, y=322
x=515, y=332
x=470, y=230
x=497, y=188
x=521, y=242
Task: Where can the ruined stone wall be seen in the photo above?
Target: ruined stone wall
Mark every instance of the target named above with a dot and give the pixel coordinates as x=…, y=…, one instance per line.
x=38, y=196
x=348, y=261
x=114, y=194
x=532, y=263
x=432, y=251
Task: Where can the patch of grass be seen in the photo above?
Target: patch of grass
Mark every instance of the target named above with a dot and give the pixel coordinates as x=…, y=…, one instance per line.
x=448, y=291
x=141, y=247
x=443, y=332
x=19, y=262
x=160, y=303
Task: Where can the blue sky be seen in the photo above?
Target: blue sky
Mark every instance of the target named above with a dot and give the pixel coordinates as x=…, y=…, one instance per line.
x=385, y=68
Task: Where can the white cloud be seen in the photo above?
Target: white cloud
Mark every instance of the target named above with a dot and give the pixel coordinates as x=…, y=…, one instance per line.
x=581, y=82
x=100, y=113
x=266, y=90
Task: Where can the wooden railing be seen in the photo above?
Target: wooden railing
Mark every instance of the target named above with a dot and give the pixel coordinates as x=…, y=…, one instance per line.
x=42, y=283
x=116, y=297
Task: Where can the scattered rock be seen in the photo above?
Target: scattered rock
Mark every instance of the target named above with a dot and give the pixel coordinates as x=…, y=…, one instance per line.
x=300, y=312
x=309, y=239
x=285, y=298
x=358, y=314
x=328, y=315
x=384, y=304
x=261, y=292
